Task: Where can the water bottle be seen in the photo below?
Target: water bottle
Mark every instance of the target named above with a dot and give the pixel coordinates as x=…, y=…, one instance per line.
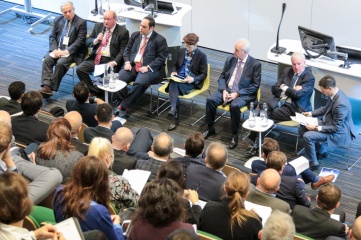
x=112, y=79
x=252, y=117
x=263, y=116
x=106, y=77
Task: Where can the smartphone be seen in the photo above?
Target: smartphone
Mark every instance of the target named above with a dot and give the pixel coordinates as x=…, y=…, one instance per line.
x=179, y=76
x=125, y=226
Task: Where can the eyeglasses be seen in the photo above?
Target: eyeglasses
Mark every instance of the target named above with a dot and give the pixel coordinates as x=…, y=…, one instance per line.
x=108, y=19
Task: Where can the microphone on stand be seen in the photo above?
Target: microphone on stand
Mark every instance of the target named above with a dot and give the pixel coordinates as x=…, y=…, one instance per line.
x=277, y=49
x=95, y=11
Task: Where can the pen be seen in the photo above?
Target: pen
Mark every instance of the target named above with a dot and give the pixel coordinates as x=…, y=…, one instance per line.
x=199, y=184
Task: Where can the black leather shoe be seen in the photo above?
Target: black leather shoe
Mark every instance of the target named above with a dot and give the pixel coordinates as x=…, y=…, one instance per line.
x=251, y=153
x=123, y=114
x=254, y=144
x=314, y=167
x=234, y=142
x=208, y=133
x=174, y=124
x=321, y=155
x=171, y=113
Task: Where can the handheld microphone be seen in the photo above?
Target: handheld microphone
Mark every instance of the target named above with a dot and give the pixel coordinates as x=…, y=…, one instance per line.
x=277, y=49
x=104, y=29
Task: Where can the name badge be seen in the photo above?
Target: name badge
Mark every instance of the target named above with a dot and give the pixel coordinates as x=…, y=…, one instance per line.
x=138, y=57
x=105, y=51
x=66, y=41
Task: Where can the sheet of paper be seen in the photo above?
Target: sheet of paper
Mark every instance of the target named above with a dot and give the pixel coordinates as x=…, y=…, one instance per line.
x=303, y=120
x=180, y=152
x=137, y=178
x=328, y=171
x=99, y=69
x=70, y=229
x=262, y=211
x=176, y=79
x=52, y=55
x=300, y=164
x=121, y=120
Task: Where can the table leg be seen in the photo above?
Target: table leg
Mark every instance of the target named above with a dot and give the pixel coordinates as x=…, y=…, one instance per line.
x=106, y=96
x=259, y=145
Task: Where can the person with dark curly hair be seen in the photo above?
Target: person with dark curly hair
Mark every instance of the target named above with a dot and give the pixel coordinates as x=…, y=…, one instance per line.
x=160, y=211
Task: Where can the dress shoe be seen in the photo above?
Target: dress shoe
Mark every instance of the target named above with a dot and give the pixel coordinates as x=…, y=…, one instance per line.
x=174, y=124
x=46, y=91
x=314, y=166
x=254, y=144
x=208, y=133
x=251, y=153
x=321, y=181
x=321, y=155
x=234, y=142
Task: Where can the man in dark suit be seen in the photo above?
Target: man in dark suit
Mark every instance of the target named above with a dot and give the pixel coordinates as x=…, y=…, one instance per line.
x=16, y=92
x=109, y=49
x=292, y=93
x=66, y=45
x=75, y=121
x=208, y=180
x=317, y=223
x=26, y=127
x=336, y=127
x=128, y=148
x=144, y=62
x=238, y=84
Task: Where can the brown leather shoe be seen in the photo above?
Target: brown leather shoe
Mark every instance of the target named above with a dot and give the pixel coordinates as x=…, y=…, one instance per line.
x=46, y=91
x=323, y=180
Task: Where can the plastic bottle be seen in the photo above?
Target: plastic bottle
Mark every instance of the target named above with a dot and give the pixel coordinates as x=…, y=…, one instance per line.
x=252, y=117
x=112, y=79
x=106, y=77
x=263, y=116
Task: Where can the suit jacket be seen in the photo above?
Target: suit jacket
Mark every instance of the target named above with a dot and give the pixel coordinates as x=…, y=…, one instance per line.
x=206, y=181
x=338, y=120
x=118, y=42
x=264, y=199
x=77, y=36
x=300, y=98
x=186, y=161
x=86, y=110
x=11, y=106
x=28, y=129
x=122, y=161
x=155, y=53
x=198, y=68
x=151, y=165
x=98, y=131
x=250, y=79
x=81, y=147
x=316, y=223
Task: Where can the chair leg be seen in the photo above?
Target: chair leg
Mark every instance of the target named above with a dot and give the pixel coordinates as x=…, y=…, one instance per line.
x=151, y=99
x=73, y=76
x=198, y=120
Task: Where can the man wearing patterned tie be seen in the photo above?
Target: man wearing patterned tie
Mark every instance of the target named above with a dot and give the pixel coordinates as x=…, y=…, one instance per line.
x=292, y=93
x=108, y=41
x=144, y=62
x=238, y=84
x=335, y=127
x=66, y=45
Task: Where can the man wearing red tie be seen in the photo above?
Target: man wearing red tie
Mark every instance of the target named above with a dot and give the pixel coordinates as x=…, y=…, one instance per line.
x=144, y=62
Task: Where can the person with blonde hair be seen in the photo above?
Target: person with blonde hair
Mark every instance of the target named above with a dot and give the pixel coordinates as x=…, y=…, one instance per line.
x=229, y=219
x=122, y=194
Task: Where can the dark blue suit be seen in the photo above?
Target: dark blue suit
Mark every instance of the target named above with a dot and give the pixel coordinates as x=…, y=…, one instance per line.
x=154, y=56
x=248, y=87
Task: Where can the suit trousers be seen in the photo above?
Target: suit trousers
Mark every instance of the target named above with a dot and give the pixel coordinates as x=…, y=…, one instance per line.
x=312, y=142
x=141, y=144
x=176, y=89
x=215, y=100
x=53, y=79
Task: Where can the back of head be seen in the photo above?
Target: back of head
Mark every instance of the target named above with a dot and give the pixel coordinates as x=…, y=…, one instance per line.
x=160, y=203
x=16, y=90
x=327, y=82
x=75, y=120
x=194, y=144
x=104, y=113
x=216, y=156
x=6, y=135
x=101, y=148
x=269, y=145
x=31, y=103
x=162, y=145
x=173, y=170
x=355, y=233
x=183, y=234
x=279, y=226
x=122, y=137
x=15, y=203
x=81, y=92
x=328, y=196
x=191, y=39
x=276, y=160
x=269, y=181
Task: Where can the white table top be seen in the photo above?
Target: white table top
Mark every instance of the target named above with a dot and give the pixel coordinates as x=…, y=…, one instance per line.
x=258, y=127
x=119, y=85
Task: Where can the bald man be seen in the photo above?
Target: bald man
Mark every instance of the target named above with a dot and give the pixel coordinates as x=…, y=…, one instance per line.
x=75, y=121
x=264, y=193
x=127, y=148
x=355, y=232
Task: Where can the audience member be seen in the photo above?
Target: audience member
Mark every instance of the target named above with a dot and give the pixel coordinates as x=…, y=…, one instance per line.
x=208, y=180
x=229, y=219
x=336, y=127
x=75, y=121
x=144, y=62
x=106, y=128
x=16, y=92
x=183, y=234
x=317, y=223
x=173, y=170
x=122, y=195
x=57, y=151
x=128, y=148
x=191, y=64
x=279, y=226
x=265, y=191
x=162, y=147
x=66, y=46
x=160, y=211
x=238, y=85
x=26, y=127
x=355, y=232
x=86, y=197
x=108, y=41
x=292, y=93
x=194, y=146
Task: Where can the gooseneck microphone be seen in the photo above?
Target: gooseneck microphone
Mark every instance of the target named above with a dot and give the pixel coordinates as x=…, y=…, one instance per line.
x=277, y=49
x=95, y=11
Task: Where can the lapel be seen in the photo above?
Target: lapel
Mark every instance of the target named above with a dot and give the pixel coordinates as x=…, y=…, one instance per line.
x=72, y=26
x=233, y=65
x=150, y=42
x=330, y=103
x=114, y=34
x=245, y=67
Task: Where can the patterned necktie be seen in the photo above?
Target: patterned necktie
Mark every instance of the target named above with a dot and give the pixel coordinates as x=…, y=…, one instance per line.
x=99, y=50
x=187, y=66
x=233, y=85
x=141, y=52
x=63, y=34
x=284, y=98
